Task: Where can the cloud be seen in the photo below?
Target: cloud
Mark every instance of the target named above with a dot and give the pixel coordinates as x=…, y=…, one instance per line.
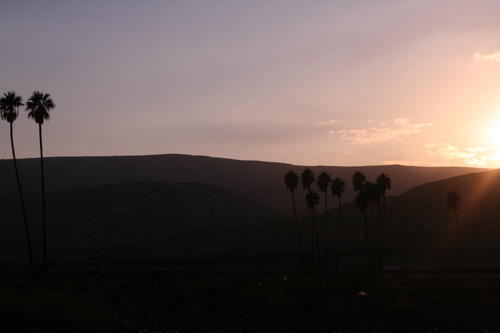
x=476, y=156
x=329, y=122
x=395, y=129
x=495, y=56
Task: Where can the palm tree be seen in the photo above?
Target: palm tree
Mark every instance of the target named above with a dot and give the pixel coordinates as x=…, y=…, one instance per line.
x=312, y=200
x=9, y=110
x=337, y=188
x=383, y=184
x=362, y=202
x=453, y=203
x=307, y=178
x=38, y=107
x=323, y=183
x=291, y=182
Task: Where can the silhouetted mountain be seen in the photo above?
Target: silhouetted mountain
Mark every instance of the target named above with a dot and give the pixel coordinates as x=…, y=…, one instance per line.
x=261, y=182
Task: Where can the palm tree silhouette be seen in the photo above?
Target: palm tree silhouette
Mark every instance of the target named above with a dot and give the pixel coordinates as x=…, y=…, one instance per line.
x=9, y=110
x=38, y=107
x=323, y=183
x=312, y=200
x=453, y=201
x=307, y=178
x=337, y=188
x=362, y=202
x=291, y=182
x=383, y=184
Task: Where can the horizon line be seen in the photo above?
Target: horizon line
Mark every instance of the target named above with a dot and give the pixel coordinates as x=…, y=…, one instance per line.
x=253, y=160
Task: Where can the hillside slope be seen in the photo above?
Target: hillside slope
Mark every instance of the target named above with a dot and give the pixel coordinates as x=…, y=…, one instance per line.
x=191, y=224
x=421, y=230
x=122, y=220
x=261, y=182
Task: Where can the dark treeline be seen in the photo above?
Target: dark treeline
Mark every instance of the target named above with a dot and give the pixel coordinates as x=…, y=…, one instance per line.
x=372, y=204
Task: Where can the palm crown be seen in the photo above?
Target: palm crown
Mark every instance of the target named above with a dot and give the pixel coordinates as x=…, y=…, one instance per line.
x=291, y=180
x=312, y=200
x=38, y=106
x=323, y=181
x=362, y=200
x=9, y=106
x=383, y=183
x=337, y=187
x=358, y=180
x=307, y=178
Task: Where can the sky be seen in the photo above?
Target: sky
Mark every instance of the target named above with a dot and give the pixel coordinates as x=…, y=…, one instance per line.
x=303, y=82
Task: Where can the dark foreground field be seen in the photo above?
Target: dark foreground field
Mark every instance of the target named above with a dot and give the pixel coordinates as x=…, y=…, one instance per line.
x=151, y=301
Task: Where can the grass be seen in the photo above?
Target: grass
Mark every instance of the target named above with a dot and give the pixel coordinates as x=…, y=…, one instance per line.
x=150, y=301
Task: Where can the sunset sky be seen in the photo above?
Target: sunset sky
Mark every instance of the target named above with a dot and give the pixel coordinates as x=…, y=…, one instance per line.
x=306, y=82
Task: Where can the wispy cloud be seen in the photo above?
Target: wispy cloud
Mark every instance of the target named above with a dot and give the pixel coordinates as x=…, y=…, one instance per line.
x=329, y=122
x=476, y=156
x=380, y=132
x=495, y=56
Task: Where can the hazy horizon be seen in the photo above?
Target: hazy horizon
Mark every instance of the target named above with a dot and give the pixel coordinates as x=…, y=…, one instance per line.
x=250, y=160
x=323, y=83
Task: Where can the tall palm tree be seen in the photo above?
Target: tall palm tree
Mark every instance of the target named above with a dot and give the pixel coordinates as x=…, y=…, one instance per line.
x=337, y=188
x=9, y=110
x=291, y=182
x=383, y=184
x=312, y=200
x=307, y=177
x=453, y=201
x=323, y=183
x=38, y=107
x=362, y=202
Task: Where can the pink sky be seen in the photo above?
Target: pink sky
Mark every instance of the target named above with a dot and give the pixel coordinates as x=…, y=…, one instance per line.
x=323, y=82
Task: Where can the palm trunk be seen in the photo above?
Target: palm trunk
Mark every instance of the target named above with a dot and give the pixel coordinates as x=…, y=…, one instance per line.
x=44, y=215
x=459, y=244
x=374, y=236
x=367, y=241
x=382, y=243
x=299, y=234
x=325, y=251
x=313, y=216
x=380, y=249
x=338, y=236
x=21, y=199
x=316, y=241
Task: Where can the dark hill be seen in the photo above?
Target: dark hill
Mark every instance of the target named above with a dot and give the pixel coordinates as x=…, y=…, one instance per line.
x=261, y=182
x=421, y=230
x=199, y=225
x=121, y=221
